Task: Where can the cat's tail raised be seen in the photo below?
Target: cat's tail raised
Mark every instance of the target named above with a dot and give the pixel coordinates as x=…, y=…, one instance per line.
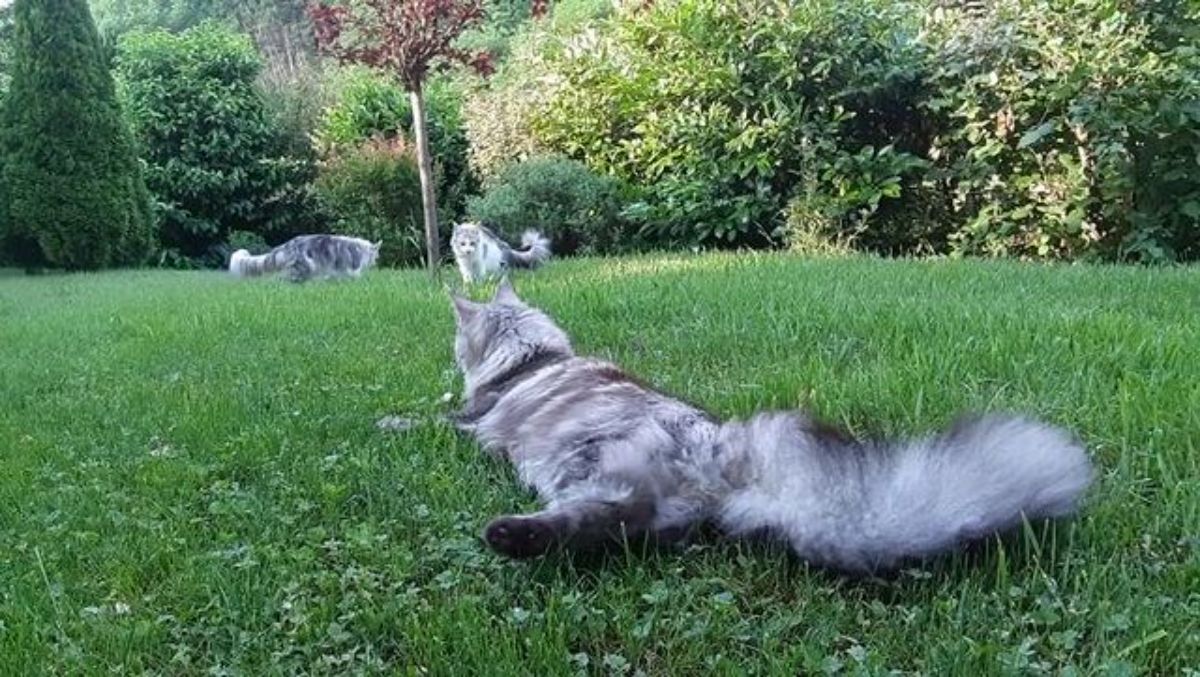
x=865, y=507
x=244, y=264
x=534, y=251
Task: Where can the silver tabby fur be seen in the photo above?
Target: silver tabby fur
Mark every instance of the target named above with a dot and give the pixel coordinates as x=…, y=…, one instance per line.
x=305, y=257
x=613, y=459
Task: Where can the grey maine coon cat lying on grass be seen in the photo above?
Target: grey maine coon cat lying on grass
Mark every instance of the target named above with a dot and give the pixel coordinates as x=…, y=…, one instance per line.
x=612, y=458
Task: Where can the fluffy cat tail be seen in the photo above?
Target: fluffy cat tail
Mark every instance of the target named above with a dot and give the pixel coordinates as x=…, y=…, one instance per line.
x=863, y=507
x=244, y=264
x=534, y=251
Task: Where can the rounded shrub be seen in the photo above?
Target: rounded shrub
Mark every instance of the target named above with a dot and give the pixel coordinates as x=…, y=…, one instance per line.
x=575, y=207
x=373, y=190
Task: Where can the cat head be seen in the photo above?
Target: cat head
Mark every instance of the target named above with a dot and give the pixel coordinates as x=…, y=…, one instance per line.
x=465, y=238
x=502, y=332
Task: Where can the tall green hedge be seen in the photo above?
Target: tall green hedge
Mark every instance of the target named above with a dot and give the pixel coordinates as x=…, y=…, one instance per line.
x=71, y=181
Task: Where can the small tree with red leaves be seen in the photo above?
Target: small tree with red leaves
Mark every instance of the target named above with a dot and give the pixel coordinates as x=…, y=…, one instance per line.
x=409, y=39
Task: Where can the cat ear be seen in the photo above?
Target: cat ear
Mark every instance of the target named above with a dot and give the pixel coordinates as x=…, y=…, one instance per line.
x=505, y=292
x=465, y=309
x=376, y=244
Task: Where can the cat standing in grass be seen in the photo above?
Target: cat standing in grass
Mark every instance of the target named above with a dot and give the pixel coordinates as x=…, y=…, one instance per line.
x=613, y=458
x=307, y=256
x=481, y=254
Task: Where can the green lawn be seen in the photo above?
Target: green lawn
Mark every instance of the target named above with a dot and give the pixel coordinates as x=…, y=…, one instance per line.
x=193, y=482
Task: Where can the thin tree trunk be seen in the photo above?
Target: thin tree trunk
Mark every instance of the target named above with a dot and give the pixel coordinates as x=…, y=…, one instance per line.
x=425, y=164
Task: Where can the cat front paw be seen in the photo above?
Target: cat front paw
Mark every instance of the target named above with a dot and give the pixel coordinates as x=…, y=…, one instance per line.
x=519, y=537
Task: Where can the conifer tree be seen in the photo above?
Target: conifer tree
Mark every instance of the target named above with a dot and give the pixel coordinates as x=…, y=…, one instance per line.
x=71, y=184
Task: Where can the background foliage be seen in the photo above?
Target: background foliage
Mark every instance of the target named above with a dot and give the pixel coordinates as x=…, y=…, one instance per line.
x=499, y=112
x=1073, y=128
x=280, y=28
x=1062, y=129
x=721, y=111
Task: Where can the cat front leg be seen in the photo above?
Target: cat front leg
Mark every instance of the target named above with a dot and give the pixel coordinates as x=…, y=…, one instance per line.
x=468, y=275
x=584, y=523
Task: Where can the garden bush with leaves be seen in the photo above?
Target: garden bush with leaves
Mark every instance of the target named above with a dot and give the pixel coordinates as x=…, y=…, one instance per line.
x=373, y=190
x=214, y=156
x=722, y=111
x=367, y=105
x=504, y=19
x=1036, y=128
x=577, y=209
x=1073, y=128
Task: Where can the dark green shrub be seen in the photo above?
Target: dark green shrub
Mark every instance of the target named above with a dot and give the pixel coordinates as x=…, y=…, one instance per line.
x=722, y=111
x=216, y=160
x=72, y=183
x=855, y=198
x=576, y=208
x=1072, y=128
x=373, y=191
